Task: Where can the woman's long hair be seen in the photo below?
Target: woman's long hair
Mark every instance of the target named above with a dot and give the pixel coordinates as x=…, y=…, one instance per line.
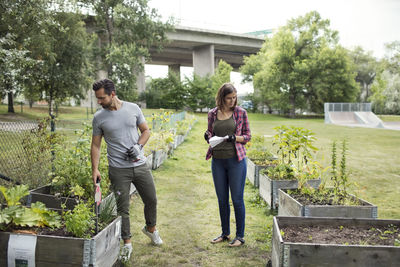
x=224, y=90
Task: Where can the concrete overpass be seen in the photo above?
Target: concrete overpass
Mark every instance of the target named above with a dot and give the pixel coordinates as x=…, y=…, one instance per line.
x=202, y=49
x=198, y=48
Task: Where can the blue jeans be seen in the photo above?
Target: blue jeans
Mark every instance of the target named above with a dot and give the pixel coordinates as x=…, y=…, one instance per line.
x=230, y=174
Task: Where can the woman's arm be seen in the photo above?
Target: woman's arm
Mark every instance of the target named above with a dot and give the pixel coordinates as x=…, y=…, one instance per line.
x=246, y=133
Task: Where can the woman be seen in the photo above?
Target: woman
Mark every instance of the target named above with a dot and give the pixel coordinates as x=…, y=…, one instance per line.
x=229, y=159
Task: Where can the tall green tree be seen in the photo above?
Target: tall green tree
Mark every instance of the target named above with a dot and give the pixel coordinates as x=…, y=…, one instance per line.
x=65, y=70
x=301, y=65
x=167, y=92
x=13, y=63
x=386, y=86
x=366, y=68
x=199, y=92
x=128, y=30
x=20, y=28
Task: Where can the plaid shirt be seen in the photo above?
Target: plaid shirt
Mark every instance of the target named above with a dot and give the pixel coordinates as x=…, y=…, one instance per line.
x=242, y=129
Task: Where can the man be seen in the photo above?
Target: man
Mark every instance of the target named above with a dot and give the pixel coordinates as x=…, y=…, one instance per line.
x=118, y=122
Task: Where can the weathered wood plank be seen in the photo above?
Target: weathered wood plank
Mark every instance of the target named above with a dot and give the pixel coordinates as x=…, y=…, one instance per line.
x=336, y=255
x=288, y=206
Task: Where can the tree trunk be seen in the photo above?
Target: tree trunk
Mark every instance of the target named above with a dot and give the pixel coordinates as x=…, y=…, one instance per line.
x=31, y=103
x=110, y=31
x=10, y=102
x=292, y=110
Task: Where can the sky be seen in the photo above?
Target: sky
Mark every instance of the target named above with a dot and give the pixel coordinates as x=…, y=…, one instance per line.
x=366, y=23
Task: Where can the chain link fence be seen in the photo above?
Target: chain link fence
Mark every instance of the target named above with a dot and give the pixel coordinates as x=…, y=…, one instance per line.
x=25, y=153
x=26, y=150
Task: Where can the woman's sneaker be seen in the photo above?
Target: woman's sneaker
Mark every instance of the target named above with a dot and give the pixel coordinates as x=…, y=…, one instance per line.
x=155, y=236
x=125, y=253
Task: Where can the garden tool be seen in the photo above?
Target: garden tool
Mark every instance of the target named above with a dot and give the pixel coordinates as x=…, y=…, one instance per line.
x=97, y=201
x=215, y=140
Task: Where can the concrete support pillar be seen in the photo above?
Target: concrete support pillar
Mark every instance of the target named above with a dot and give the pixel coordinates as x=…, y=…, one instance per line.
x=203, y=60
x=140, y=79
x=175, y=68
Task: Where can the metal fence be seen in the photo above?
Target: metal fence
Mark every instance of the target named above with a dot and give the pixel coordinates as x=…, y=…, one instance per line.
x=157, y=124
x=25, y=151
x=347, y=107
x=25, y=156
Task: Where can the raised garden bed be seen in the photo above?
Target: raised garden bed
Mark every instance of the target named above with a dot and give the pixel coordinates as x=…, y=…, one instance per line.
x=42, y=194
x=289, y=206
x=301, y=241
x=253, y=172
x=269, y=188
x=159, y=156
x=178, y=140
x=102, y=250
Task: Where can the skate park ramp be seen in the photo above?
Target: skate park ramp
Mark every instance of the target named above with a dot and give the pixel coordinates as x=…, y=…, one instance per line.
x=360, y=119
x=355, y=115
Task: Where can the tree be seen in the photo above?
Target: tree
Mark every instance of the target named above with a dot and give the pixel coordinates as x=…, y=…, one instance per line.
x=13, y=62
x=386, y=86
x=20, y=26
x=366, y=68
x=128, y=29
x=199, y=92
x=300, y=65
x=166, y=92
x=65, y=70
x=221, y=75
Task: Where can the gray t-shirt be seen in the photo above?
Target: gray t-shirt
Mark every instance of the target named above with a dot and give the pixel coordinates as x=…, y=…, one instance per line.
x=120, y=131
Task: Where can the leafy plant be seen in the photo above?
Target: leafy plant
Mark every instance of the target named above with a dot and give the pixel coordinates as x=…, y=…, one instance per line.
x=281, y=171
x=72, y=166
x=16, y=215
x=294, y=145
x=257, y=151
x=79, y=221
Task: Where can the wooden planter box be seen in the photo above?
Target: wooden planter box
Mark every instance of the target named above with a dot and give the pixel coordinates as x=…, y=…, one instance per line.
x=269, y=188
x=52, y=202
x=102, y=250
x=159, y=156
x=178, y=140
x=253, y=172
x=288, y=206
x=285, y=254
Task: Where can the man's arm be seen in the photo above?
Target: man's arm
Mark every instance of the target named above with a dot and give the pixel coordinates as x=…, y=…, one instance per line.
x=144, y=133
x=95, y=157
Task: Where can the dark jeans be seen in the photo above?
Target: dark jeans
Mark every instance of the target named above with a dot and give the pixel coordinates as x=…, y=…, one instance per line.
x=142, y=179
x=230, y=174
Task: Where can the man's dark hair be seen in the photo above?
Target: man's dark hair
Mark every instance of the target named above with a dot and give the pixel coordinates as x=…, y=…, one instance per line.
x=107, y=84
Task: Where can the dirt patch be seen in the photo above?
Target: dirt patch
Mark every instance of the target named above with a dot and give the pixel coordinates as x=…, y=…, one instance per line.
x=319, y=199
x=343, y=235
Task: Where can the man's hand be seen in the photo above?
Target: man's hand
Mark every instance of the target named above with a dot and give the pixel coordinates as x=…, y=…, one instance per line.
x=136, y=149
x=96, y=176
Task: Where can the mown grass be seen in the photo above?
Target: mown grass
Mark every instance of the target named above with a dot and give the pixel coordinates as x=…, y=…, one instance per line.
x=187, y=206
x=188, y=215
x=373, y=158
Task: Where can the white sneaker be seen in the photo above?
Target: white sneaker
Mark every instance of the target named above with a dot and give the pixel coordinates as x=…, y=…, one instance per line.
x=125, y=253
x=155, y=236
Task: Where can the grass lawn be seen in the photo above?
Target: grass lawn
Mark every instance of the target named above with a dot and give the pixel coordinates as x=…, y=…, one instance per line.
x=187, y=205
x=373, y=157
x=188, y=215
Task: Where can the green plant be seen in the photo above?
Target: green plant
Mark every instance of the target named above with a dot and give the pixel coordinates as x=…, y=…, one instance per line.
x=294, y=145
x=72, y=166
x=16, y=215
x=281, y=171
x=339, y=177
x=79, y=221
